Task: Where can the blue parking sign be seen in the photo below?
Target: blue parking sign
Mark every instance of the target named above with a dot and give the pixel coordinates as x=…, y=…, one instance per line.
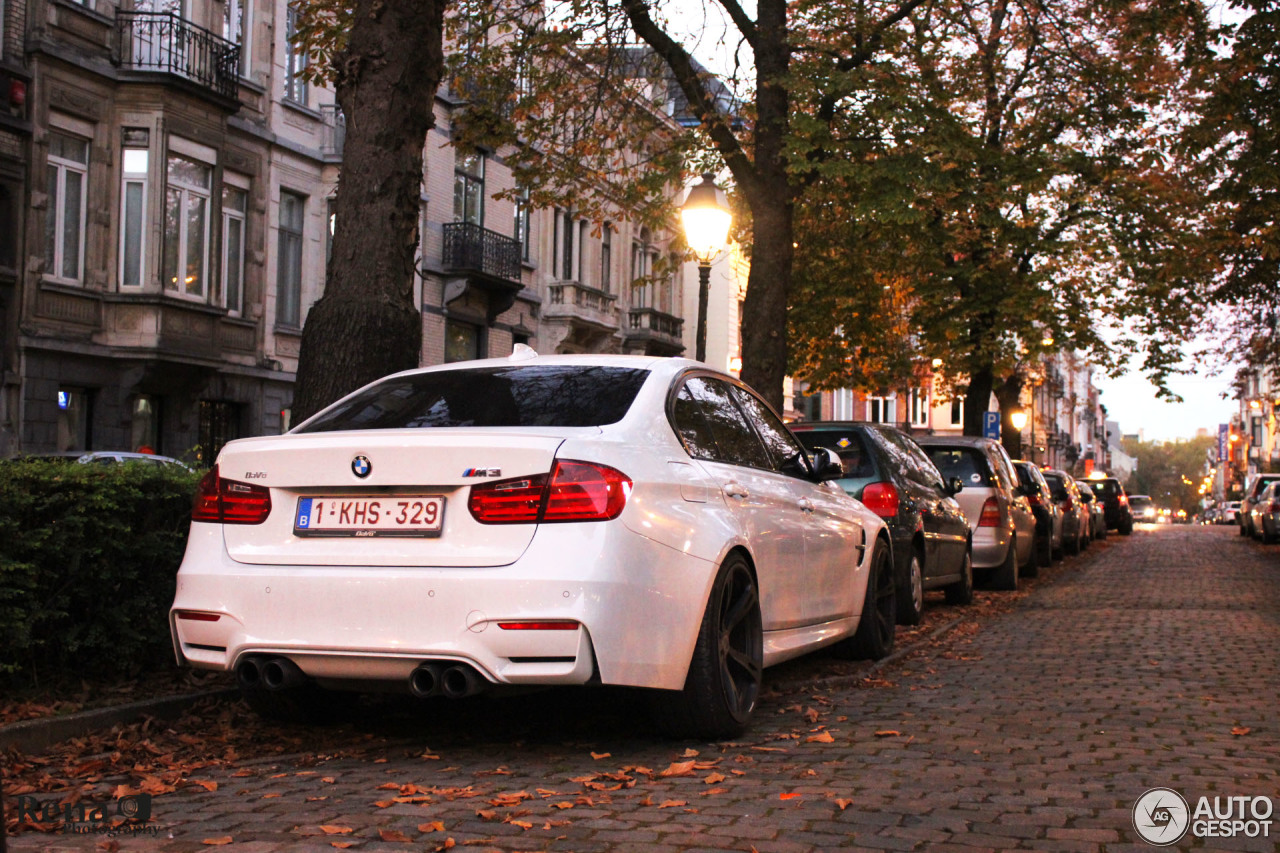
x=991, y=425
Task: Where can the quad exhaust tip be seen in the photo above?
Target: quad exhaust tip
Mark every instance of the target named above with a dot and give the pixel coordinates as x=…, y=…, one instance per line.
x=275, y=673
x=453, y=681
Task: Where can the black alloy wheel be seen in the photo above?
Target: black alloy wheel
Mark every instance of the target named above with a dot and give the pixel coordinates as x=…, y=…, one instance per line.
x=727, y=668
x=876, y=629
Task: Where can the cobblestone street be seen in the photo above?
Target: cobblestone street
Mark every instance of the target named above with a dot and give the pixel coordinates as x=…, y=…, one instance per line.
x=1150, y=661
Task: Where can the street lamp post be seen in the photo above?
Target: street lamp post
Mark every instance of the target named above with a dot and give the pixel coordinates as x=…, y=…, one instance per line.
x=1019, y=420
x=706, y=218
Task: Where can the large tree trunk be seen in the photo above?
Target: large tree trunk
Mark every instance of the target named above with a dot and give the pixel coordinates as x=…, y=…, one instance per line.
x=976, y=399
x=366, y=324
x=1009, y=394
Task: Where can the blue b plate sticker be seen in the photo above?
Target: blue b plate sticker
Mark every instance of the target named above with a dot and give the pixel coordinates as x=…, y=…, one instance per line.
x=304, y=514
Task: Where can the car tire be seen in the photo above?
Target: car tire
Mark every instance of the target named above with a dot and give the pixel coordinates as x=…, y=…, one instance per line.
x=1102, y=531
x=874, y=636
x=1045, y=547
x=961, y=592
x=723, y=684
x=911, y=605
x=1072, y=547
x=1084, y=541
x=1267, y=536
x=1006, y=576
x=1244, y=531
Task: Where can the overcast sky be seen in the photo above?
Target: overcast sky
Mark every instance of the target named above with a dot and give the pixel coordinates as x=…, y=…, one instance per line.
x=1131, y=400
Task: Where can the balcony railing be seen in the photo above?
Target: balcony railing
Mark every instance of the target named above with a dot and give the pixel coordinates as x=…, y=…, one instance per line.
x=653, y=320
x=471, y=248
x=335, y=132
x=580, y=304
x=165, y=43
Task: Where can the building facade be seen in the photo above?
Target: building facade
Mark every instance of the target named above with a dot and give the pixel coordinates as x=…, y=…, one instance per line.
x=167, y=189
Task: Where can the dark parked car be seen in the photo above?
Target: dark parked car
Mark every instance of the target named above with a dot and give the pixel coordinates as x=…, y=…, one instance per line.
x=1115, y=504
x=1245, y=513
x=1075, y=513
x=894, y=478
x=1097, y=515
x=1048, y=514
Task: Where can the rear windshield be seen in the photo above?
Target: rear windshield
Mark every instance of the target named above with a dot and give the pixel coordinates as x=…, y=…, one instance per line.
x=848, y=445
x=1105, y=488
x=1057, y=487
x=505, y=396
x=967, y=463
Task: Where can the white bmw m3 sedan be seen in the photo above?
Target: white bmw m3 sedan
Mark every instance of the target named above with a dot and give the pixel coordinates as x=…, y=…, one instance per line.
x=617, y=520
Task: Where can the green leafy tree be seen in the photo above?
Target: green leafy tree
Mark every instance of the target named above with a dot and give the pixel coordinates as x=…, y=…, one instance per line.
x=1013, y=186
x=571, y=74
x=1169, y=471
x=385, y=60
x=1238, y=143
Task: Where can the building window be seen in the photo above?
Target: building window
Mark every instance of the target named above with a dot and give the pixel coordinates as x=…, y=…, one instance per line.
x=468, y=187
x=219, y=423
x=641, y=271
x=918, y=401
x=74, y=419
x=237, y=17
x=186, y=230
x=522, y=222
x=289, y=268
x=881, y=410
x=295, y=87
x=235, y=205
x=461, y=341
x=66, y=176
x=133, y=216
x=606, y=257
x=957, y=411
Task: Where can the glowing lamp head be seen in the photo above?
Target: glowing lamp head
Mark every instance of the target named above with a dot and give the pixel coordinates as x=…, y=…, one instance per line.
x=1018, y=419
x=706, y=218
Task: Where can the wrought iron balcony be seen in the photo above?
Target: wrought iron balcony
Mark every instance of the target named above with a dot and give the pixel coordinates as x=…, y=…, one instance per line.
x=471, y=248
x=165, y=43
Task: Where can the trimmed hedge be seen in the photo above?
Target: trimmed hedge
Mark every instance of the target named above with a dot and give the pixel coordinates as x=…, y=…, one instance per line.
x=88, y=558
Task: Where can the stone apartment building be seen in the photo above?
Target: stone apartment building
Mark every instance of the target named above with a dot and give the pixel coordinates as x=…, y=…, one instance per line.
x=167, y=184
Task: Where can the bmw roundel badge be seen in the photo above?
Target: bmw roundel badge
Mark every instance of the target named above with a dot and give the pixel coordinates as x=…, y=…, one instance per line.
x=361, y=466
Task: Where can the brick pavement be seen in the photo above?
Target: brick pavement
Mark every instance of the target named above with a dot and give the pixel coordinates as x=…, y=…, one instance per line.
x=1034, y=729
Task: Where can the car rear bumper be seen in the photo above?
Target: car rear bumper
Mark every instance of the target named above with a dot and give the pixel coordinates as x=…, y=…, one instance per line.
x=990, y=547
x=637, y=606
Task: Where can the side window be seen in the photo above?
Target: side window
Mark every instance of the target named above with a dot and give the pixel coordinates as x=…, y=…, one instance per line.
x=692, y=427
x=782, y=446
x=1003, y=466
x=734, y=438
x=910, y=458
x=928, y=472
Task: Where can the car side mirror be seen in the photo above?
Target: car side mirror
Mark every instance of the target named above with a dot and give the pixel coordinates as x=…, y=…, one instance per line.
x=954, y=486
x=826, y=465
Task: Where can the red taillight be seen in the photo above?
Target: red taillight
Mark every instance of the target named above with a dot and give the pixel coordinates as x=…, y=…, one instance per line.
x=1124, y=500
x=1067, y=503
x=575, y=491
x=198, y=616
x=1275, y=506
x=990, y=514
x=549, y=625
x=1034, y=499
x=229, y=502
x=881, y=498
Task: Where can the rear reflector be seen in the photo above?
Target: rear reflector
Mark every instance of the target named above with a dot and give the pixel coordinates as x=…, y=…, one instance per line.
x=553, y=625
x=881, y=498
x=990, y=514
x=230, y=502
x=574, y=491
x=197, y=616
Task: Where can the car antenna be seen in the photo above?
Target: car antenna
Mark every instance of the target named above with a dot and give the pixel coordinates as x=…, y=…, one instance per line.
x=522, y=352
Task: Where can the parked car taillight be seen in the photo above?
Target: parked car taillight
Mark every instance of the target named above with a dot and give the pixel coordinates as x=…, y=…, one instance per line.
x=1067, y=503
x=1035, y=499
x=990, y=514
x=574, y=491
x=230, y=502
x=881, y=498
x=1275, y=506
x=1124, y=500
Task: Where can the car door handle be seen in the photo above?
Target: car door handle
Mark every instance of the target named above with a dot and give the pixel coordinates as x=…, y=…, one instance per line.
x=736, y=490
x=806, y=505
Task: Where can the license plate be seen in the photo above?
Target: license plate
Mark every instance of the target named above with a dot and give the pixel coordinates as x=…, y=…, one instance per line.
x=399, y=515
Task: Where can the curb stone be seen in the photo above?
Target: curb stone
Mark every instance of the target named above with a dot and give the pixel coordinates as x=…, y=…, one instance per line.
x=36, y=735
